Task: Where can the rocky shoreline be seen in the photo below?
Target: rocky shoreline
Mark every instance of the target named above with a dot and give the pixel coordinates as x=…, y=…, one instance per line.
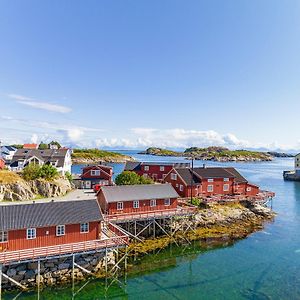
x=87, y=161
x=27, y=190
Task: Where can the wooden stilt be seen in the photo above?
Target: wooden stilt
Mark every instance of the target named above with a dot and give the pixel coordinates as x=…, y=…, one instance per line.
x=0, y=281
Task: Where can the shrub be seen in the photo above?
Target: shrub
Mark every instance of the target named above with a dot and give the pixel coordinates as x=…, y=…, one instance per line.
x=35, y=171
x=68, y=175
x=131, y=178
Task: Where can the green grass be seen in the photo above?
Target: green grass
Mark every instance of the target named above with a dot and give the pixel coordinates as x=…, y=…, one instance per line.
x=95, y=154
x=7, y=177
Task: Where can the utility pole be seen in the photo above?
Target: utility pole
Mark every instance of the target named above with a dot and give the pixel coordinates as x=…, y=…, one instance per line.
x=192, y=182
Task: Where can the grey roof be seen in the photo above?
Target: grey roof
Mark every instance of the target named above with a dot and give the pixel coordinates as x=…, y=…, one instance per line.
x=48, y=155
x=135, y=166
x=138, y=192
x=34, y=215
x=10, y=148
x=213, y=172
x=238, y=177
x=186, y=175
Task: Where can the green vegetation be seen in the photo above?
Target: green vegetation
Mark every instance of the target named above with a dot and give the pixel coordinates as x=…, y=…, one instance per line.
x=131, y=178
x=17, y=146
x=43, y=146
x=68, y=175
x=97, y=155
x=35, y=171
x=213, y=153
x=7, y=177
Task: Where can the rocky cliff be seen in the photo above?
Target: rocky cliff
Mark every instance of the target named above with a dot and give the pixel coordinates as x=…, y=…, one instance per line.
x=27, y=190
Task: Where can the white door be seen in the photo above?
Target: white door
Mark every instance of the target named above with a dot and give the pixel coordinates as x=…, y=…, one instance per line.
x=88, y=184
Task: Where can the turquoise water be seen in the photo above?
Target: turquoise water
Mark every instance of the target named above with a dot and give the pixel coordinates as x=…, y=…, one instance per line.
x=266, y=265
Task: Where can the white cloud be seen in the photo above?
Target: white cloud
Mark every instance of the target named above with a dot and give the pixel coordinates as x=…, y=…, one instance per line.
x=40, y=105
x=34, y=138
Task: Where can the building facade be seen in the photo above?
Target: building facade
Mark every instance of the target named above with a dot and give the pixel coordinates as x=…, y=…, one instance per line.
x=204, y=181
x=34, y=225
x=137, y=198
x=155, y=170
x=92, y=175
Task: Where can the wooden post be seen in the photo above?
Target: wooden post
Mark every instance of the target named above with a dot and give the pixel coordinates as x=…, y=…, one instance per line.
x=39, y=277
x=73, y=273
x=0, y=281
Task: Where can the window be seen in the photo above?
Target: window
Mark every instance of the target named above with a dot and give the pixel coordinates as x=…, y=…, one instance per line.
x=226, y=179
x=248, y=189
x=167, y=202
x=95, y=172
x=146, y=168
x=3, y=236
x=152, y=202
x=31, y=233
x=210, y=188
x=226, y=187
x=84, y=227
x=177, y=185
x=181, y=188
x=119, y=205
x=210, y=180
x=136, y=204
x=60, y=230
x=173, y=176
x=145, y=175
x=161, y=168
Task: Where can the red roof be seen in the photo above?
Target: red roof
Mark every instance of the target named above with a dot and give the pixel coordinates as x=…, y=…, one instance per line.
x=30, y=146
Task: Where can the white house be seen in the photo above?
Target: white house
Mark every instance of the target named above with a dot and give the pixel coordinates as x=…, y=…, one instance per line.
x=58, y=158
x=7, y=152
x=297, y=164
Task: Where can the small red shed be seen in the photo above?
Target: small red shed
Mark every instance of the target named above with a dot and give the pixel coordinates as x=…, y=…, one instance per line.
x=96, y=175
x=137, y=198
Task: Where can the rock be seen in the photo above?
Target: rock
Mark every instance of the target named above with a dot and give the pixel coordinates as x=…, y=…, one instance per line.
x=63, y=266
x=11, y=272
x=29, y=274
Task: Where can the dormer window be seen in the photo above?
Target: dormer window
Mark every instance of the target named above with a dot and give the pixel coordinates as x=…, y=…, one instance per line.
x=95, y=172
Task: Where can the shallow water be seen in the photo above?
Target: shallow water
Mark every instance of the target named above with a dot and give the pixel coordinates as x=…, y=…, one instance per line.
x=266, y=265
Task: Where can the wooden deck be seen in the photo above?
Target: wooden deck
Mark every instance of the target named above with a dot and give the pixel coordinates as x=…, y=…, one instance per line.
x=186, y=211
x=115, y=239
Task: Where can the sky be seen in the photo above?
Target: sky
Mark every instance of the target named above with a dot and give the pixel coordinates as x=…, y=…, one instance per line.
x=124, y=74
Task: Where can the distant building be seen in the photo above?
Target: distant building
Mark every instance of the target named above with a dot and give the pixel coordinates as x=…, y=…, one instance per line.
x=2, y=163
x=155, y=170
x=210, y=181
x=297, y=164
x=92, y=175
x=60, y=159
x=7, y=152
x=30, y=146
x=137, y=198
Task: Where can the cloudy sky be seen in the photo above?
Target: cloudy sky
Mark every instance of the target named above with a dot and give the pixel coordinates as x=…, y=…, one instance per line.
x=133, y=74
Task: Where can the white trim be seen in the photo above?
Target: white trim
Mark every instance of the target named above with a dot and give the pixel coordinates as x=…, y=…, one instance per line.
x=120, y=205
x=226, y=187
x=87, y=227
x=210, y=188
x=60, y=230
x=136, y=204
x=167, y=202
x=32, y=234
x=152, y=202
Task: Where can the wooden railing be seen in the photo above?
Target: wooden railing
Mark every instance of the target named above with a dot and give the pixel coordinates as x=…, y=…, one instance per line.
x=58, y=250
x=151, y=214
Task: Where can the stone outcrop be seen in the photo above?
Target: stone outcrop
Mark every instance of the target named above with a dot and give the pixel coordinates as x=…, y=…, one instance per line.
x=27, y=190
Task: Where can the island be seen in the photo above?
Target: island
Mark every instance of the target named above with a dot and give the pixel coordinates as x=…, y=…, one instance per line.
x=90, y=156
x=220, y=154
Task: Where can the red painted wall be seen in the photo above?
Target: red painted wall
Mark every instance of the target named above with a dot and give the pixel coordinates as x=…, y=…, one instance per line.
x=2, y=164
x=105, y=173
x=144, y=205
x=154, y=171
x=17, y=238
x=218, y=187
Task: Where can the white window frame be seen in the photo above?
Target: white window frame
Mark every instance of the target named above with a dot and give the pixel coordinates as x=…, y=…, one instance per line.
x=152, y=202
x=120, y=205
x=210, y=180
x=3, y=236
x=84, y=227
x=177, y=185
x=173, y=176
x=31, y=233
x=167, y=202
x=249, y=189
x=136, y=204
x=60, y=230
x=146, y=168
x=161, y=168
x=210, y=188
x=226, y=187
x=181, y=188
x=226, y=179
x=95, y=172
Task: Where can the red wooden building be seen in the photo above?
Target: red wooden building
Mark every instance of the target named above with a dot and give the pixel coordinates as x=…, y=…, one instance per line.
x=35, y=225
x=210, y=181
x=155, y=170
x=137, y=198
x=92, y=175
x=2, y=163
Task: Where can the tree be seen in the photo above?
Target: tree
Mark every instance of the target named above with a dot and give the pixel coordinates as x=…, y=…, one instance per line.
x=31, y=172
x=43, y=146
x=55, y=143
x=48, y=172
x=131, y=178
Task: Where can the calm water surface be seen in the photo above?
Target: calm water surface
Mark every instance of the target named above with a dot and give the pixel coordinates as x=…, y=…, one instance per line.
x=266, y=265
